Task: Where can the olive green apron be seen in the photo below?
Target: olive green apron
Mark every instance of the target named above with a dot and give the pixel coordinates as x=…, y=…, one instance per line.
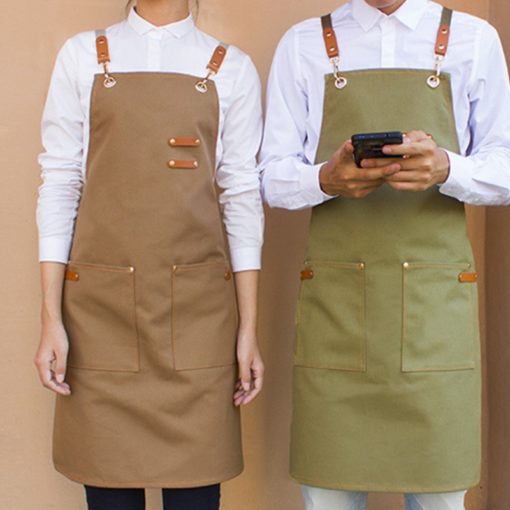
x=387, y=386
x=149, y=300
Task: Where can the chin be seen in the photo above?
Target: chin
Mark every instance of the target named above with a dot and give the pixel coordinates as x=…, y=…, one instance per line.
x=381, y=3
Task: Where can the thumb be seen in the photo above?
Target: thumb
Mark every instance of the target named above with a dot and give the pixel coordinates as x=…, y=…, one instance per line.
x=60, y=367
x=346, y=151
x=245, y=375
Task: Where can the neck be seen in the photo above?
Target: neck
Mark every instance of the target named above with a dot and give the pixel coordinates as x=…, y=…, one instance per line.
x=162, y=12
x=392, y=8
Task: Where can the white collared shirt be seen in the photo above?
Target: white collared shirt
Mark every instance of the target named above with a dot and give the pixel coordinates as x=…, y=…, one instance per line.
x=137, y=45
x=406, y=39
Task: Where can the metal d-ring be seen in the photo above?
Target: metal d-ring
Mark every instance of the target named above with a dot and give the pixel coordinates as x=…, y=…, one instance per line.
x=201, y=85
x=434, y=80
x=109, y=80
x=340, y=81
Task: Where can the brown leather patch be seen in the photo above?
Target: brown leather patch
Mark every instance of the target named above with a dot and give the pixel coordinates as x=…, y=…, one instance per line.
x=217, y=59
x=184, y=141
x=72, y=276
x=307, y=274
x=329, y=35
x=183, y=164
x=103, y=53
x=468, y=277
x=443, y=34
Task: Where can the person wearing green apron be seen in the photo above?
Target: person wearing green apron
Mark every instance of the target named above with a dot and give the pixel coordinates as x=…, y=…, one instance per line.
x=387, y=385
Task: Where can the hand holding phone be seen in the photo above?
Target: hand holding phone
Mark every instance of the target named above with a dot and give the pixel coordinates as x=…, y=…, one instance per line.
x=370, y=145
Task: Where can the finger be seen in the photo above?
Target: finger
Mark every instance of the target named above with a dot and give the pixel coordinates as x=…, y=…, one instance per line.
x=408, y=186
x=409, y=149
x=374, y=174
x=416, y=135
x=409, y=176
x=245, y=375
x=379, y=162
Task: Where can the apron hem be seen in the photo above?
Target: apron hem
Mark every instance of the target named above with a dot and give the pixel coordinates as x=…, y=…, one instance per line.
x=385, y=489
x=84, y=480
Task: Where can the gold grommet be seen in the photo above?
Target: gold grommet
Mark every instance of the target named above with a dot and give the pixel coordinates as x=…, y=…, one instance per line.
x=171, y=163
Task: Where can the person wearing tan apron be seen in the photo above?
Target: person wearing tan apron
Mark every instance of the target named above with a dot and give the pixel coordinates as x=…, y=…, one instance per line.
x=387, y=386
x=149, y=298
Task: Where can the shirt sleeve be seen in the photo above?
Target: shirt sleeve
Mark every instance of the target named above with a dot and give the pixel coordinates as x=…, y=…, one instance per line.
x=238, y=175
x=482, y=176
x=62, y=160
x=289, y=180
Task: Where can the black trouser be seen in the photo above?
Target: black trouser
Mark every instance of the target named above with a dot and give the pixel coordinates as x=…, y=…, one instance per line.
x=200, y=498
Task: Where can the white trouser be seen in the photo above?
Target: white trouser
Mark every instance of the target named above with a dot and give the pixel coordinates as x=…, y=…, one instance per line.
x=325, y=499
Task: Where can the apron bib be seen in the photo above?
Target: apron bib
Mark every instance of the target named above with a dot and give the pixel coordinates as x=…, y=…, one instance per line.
x=149, y=300
x=387, y=385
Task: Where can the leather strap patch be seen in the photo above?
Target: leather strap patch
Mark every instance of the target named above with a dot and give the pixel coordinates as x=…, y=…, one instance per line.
x=329, y=35
x=183, y=164
x=103, y=52
x=184, y=141
x=217, y=59
x=443, y=35
x=468, y=277
x=72, y=276
x=307, y=274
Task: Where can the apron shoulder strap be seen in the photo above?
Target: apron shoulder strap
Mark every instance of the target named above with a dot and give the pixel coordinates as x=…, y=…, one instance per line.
x=103, y=53
x=217, y=58
x=329, y=35
x=443, y=34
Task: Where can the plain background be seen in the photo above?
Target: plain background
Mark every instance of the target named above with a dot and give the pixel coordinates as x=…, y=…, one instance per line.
x=31, y=32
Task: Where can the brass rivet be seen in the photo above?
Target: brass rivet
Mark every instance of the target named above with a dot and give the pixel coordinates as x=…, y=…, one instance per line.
x=172, y=141
x=197, y=141
x=362, y=265
x=406, y=265
x=228, y=275
x=195, y=164
x=441, y=46
x=131, y=269
x=171, y=164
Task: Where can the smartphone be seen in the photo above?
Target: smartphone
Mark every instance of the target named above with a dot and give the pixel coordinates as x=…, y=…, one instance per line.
x=370, y=145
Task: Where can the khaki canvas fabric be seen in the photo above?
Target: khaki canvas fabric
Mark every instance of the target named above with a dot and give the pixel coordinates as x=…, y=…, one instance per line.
x=150, y=304
x=387, y=385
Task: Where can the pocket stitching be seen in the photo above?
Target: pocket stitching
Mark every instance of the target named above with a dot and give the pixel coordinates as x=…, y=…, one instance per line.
x=362, y=368
x=471, y=365
x=130, y=270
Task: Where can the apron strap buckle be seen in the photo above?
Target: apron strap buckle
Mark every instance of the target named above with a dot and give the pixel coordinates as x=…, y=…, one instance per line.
x=213, y=67
x=103, y=58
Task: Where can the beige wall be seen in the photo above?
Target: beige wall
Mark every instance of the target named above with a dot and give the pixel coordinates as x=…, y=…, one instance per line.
x=31, y=31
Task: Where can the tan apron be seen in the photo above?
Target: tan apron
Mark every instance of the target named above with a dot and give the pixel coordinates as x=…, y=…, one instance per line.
x=149, y=300
x=387, y=366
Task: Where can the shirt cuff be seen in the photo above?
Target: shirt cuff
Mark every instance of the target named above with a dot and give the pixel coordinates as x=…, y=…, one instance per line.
x=54, y=250
x=459, y=178
x=246, y=259
x=311, y=188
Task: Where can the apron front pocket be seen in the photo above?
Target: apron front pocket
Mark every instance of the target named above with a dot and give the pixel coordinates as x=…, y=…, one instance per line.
x=439, y=323
x=204, y=316
x=330, y=320
x=100, y=317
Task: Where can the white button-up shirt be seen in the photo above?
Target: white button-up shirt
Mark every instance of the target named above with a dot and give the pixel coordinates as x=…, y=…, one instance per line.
x=370, y=39
x=137, y=45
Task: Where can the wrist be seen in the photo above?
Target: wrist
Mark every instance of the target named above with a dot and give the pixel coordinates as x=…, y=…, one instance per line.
x=50, y=314
x=443, y=166
x=324, y=177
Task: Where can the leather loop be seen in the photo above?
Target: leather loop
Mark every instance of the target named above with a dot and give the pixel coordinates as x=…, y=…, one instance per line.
x=329, y=35
x=184, y=141
x=468, y=277
x=183, y=164
x=217, y=59
x=443, y=34
x=103, y=52
x=72, y=276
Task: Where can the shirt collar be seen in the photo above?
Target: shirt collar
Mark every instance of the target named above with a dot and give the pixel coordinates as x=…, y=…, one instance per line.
x=142, y=26
x=409, y=13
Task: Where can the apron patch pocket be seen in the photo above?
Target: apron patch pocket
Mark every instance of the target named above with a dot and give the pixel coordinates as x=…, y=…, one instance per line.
x=204, y=316
x=330, y=320
x=99, y=316
x=439, y=322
